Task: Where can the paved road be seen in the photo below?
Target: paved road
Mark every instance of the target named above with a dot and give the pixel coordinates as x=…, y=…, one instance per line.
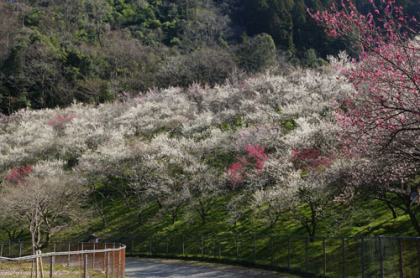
x=157, y=268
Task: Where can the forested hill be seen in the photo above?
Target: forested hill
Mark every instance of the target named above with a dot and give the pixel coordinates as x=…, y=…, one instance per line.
x=53, y=52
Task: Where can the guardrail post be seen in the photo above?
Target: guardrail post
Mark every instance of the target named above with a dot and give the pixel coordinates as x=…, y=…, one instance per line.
x=1, y=250
x=52, y=259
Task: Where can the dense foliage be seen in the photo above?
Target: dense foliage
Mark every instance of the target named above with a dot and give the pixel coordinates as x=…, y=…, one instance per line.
x=55, y=52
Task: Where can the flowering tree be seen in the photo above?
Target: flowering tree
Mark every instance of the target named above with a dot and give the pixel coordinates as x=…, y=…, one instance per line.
x=381, y=120
x=255, y=160
x=17, y=175
x=177, y=148
x=383, y=113
x=45, y=199
x=59, y=121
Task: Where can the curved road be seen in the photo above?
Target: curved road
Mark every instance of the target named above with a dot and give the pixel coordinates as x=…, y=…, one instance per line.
x=157, y=268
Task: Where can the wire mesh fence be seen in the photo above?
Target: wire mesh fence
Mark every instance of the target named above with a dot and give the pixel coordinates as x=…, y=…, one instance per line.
x=328, y=256
x=62, y=259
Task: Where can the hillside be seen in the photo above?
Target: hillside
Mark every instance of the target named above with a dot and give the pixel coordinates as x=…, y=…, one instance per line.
x=327, y=149
x=165, y=161
x=55, y=52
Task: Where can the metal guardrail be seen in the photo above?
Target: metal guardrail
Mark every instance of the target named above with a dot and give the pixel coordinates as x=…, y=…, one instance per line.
x=381, y=256
x=75, y=259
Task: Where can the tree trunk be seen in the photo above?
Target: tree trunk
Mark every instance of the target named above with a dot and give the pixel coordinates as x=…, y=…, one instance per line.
x=313, y=223
x=187, y=7
x=139, y=218
x=203, y=217
x=414, y=220
x=394, y=213
x=173, y=217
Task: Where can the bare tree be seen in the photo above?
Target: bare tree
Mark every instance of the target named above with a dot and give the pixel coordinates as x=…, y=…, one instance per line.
x=45, y=201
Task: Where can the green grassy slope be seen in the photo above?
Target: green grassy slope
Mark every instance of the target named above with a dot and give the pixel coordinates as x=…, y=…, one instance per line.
x=367, y=218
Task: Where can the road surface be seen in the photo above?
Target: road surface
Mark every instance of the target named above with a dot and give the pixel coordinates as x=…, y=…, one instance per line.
x=157, y=268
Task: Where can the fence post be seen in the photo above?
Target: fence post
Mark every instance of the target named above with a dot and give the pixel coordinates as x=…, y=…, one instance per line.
x=93, y=255
x=68, y=257
x=106, y=263
x=344, y=256
x=381, y=256
x=85, y=262
x=36, y=263
x=119, y=264
x=20, y=248
x=237, y=247
x=254, y=249
x=150, y=245
x=325, y=256
x=113, y=258
x=202, y=245
x=220, y=250
x=52, y=259
x=288, y=252
x=400, y=258
x=272, y=251
x=183, y=245
x=363, y=257
x=306, y=254
x=418, y=255
x=132, y=246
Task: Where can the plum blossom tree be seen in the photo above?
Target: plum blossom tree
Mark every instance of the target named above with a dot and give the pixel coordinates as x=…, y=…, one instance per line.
x=381, y=119
x=383, y=113
x=44, y=199
x=253, y=161
x=174, y=147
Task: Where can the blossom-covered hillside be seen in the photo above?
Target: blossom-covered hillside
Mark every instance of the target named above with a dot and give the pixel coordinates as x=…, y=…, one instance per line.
x=268, y=140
